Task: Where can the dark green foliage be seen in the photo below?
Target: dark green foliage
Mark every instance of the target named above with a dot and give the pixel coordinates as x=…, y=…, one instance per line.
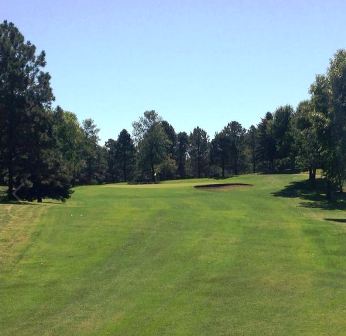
x=229, y=149
x=235, y=134
x=335, y=167
x=48, y=171
x=220, y=152
x=328, y=101
x=281, y=129
x=70, y=137
x=199, y=152
x=168, y=169
x=172, y=137
x=144, y=124
x=29, y=151
x=181, y=154
x=251, y=141
x=153, y=145
x=283, y=138
x=274, y=136
x=113, y=174
x=306, y=140
x=121, y=157
x=266, y=150
x=94, y=156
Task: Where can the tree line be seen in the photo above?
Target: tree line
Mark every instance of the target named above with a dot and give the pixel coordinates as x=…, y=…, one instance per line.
x=45, y=151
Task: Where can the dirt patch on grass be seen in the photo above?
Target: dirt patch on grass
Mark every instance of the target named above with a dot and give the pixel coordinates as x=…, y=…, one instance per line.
x=222, y=186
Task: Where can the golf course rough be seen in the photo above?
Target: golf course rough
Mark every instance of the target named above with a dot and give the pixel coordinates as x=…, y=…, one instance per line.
x=171, y=259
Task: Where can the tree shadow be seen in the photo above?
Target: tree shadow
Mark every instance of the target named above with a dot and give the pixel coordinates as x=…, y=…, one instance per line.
x=4, y=200
x=313, y=195
x=337, y=220
x=10, y=202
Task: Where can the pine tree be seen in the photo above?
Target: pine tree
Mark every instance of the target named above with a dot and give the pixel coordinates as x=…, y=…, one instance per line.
x=182, y=149
x=199, y=152
x=27, y=142
x=125, y=155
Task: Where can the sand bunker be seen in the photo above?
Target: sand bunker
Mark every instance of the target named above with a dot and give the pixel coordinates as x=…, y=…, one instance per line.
x=222, y=186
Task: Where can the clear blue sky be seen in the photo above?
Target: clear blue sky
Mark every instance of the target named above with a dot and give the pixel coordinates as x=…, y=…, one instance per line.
x=195, y=62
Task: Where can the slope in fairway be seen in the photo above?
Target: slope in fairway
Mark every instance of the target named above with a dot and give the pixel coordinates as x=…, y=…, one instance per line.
x=170, y=259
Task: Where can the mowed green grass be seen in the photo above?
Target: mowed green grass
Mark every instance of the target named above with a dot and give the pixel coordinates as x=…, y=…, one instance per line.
x=169, y=259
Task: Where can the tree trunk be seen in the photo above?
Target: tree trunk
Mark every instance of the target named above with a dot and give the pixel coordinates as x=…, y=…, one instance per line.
x=124, y=172
x=11, y=147
x=312, y=175
x=10, y=188
x=330, y=191
x=198, y=169
x=36, y=190
x=153, y=173
x=236, y=166
x=124, y=167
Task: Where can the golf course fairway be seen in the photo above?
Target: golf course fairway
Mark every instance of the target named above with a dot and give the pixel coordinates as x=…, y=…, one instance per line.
x=171, y=259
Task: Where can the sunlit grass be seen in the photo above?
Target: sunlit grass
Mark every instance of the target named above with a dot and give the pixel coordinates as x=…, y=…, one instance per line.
x=168, y=259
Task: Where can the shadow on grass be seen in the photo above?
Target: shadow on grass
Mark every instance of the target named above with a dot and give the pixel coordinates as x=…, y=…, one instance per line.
x=13, y=202
x=222, y=186
x=337, y=220
x=4, y=200
x=313, y=196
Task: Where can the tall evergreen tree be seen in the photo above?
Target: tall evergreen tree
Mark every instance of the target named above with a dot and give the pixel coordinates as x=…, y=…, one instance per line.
x=199, y=152
x=95, y=156
x=283, y=137
x=251, y=140
x=172, y=137
x=20, y=74
x=220, y=151
x=181, y=154
x=26, y=138
x=168, y=168
x=113, y=174
x=125, y=155
x=47, y=173
x=235, y=133
x=266, y=149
